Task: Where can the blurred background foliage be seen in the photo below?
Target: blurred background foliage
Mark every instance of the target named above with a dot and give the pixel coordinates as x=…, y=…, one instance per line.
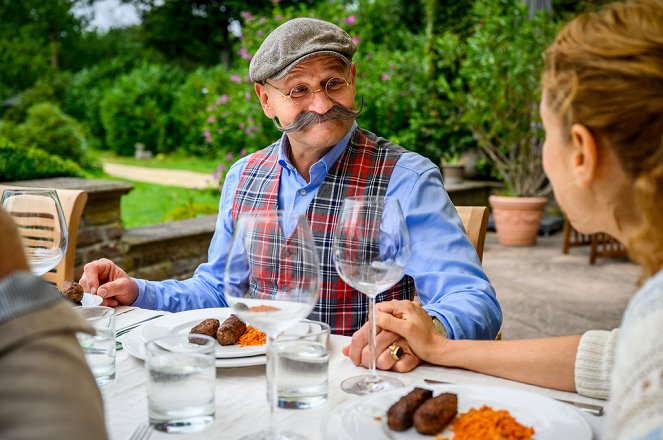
x=177, y=81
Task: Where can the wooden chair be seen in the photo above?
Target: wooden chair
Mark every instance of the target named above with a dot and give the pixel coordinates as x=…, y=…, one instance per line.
x=73, y=202
x=475, y=222
x=601, y=244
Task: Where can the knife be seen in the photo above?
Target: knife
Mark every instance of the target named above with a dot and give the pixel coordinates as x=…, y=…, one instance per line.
x=596, y=410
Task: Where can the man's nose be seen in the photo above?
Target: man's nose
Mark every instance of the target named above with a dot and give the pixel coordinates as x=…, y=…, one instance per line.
x=320, y=102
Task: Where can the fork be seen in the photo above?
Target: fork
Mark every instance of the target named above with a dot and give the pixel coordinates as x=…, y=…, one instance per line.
x=142, y=432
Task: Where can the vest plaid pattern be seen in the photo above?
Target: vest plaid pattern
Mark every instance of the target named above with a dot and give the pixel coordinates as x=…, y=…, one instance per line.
x=363, y=169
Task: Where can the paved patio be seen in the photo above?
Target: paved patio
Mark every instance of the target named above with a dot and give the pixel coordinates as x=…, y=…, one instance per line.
x=546, y=293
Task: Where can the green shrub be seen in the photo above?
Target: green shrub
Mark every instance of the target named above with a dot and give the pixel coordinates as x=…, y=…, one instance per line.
x=136, y=109
x=48, y=128
x=193, y=103
x=50, y=88
x=32, y=163
x=86, y=90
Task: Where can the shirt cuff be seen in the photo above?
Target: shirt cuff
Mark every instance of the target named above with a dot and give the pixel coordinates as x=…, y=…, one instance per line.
x=146, y=295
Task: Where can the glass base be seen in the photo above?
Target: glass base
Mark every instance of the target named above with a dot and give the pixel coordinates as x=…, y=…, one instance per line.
x=270, y=435
x=301, y=402
x=183, y=426
x=102, y=381
x=368, y=384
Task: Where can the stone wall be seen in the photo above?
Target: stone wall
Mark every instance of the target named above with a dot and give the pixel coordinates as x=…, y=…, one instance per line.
x=171, y=249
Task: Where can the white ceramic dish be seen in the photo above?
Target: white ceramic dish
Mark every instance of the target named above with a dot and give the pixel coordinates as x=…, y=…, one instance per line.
x=227, y=357
x=90, y=300
x=550, y=419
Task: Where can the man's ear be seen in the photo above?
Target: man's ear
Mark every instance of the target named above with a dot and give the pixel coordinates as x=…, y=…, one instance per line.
x=585, y=155
x=261, y=91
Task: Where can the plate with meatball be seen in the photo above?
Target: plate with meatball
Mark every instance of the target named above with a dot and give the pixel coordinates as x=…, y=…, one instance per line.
x=215, y=322
x=454, y=411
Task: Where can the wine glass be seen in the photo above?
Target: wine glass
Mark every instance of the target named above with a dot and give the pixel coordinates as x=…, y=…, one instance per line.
x=371, y=250
x=272, y=281
x=41, y=224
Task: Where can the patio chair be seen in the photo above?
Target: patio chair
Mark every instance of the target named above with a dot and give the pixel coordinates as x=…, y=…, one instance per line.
x=73, y=202
x=600, y=244
x=475, y=222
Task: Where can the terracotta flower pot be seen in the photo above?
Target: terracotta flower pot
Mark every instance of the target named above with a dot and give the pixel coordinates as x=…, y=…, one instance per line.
x=453, y=173
x=517, y=219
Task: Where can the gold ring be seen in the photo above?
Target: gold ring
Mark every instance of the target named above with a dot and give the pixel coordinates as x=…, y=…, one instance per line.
x=396, y=352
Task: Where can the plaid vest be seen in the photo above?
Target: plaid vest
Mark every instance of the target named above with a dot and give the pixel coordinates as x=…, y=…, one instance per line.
x=363, y=169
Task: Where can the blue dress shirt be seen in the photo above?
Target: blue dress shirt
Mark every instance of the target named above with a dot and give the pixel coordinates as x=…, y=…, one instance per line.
x=447, y=273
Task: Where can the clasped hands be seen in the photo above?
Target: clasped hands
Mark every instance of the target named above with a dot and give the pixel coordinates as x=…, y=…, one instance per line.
x=403, y=324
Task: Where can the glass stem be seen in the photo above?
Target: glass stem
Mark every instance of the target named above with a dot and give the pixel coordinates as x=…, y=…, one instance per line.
x=272, y=390
x=371, y=338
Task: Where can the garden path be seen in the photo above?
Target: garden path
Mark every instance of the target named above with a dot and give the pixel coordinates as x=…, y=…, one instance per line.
x=162, y=176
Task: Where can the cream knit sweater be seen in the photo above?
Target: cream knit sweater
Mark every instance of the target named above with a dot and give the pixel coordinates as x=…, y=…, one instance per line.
x=635, y=410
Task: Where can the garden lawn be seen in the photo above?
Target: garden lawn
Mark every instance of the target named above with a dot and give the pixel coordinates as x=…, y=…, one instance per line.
x=148, y=203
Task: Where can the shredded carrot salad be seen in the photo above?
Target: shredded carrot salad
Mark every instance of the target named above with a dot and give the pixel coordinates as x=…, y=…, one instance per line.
x=252, y=336
x=488, y=424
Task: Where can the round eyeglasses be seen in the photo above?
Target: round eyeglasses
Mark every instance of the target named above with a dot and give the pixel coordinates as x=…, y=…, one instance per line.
x=302, y=94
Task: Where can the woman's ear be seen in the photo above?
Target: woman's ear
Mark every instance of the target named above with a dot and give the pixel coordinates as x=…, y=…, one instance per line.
x=261, y=91
x=585, y=155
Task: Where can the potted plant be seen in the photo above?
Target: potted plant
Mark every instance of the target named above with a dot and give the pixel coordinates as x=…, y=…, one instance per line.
x=497, y=94
x=453, y=167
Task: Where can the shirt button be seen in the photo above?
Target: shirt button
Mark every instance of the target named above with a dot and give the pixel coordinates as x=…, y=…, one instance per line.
x=286, y=253
x=302, y=192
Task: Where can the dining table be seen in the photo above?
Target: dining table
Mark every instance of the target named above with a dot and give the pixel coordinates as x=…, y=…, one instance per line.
x=241, y=403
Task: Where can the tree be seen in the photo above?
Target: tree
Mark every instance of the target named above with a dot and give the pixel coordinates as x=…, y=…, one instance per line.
x=33, y=35
x=196, y=32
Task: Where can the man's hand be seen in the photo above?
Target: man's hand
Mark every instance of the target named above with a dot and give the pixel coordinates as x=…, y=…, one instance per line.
x=106, y=279
x=12, y=257
x=359, y=352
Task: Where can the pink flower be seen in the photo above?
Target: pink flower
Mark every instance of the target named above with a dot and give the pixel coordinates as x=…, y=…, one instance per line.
x=246, y=14
x=244, y=53
x=261, y=21
x=241, y=125
x=242, y=152
x=224, y=99
x=209, y=108
x=230, y=157
x=216, y=176
x=247, y=96
x=278, y=17
x=351, y=19
x=211, y=119
x=259, y=33
x=355, y=40
x=235, y=78
x=276, y=1
x=384, y=77
x=221, y=168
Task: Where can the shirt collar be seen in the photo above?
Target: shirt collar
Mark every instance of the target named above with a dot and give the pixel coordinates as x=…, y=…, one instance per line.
x=328, y=159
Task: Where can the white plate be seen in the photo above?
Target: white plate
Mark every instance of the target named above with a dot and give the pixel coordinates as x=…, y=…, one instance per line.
x=183, y=322
x=550, y=419
x=91, y=300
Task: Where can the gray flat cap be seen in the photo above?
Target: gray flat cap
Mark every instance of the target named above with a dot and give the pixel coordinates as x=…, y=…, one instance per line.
x=295, y=41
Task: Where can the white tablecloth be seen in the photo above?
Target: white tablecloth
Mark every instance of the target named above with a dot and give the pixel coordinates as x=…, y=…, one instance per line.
x=241, y=405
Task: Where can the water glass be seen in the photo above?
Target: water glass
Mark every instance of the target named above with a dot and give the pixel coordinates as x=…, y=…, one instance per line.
x=302, y=355
x=99, y=348
x=181, y=376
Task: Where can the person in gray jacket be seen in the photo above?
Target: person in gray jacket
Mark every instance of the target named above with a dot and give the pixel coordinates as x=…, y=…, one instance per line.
x=47, y=390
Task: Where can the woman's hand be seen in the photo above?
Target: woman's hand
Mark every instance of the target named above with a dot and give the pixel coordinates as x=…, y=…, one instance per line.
x=410, y=321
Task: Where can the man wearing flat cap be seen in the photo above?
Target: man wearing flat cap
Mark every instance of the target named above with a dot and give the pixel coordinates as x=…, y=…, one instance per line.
x=305, y=80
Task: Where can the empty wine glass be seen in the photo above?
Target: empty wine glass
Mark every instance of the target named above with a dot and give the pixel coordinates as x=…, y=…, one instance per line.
x=41, y=225
x=272, y=281
x=371, y=250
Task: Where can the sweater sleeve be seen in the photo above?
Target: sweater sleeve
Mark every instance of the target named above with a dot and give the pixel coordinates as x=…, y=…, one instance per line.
x=594, y=363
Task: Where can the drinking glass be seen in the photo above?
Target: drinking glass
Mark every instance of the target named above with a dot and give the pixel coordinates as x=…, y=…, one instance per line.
x=371, y=250
x=303, y=365
x=181, y=375
x=99, y=348
x=41, y=224
x=272, y=281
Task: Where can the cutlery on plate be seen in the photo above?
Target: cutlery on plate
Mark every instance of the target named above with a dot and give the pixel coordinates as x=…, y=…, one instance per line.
x=596, y=410
x=130, y=327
